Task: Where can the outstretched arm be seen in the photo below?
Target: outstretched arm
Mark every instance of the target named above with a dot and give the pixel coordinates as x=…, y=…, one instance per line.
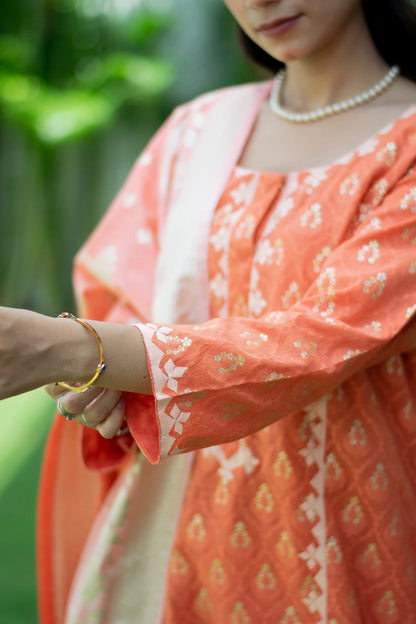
x=36, y=350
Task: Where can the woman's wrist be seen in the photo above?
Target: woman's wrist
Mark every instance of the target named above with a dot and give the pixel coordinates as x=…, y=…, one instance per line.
x=74, y=351
x=78, y=355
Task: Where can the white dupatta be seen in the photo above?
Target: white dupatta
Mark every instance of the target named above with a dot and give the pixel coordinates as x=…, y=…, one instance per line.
x=136, y=593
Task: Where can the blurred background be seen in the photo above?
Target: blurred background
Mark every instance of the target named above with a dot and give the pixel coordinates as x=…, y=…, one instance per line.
x=83, y=86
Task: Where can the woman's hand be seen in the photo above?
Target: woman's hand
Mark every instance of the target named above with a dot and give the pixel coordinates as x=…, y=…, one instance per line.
x=96, y=408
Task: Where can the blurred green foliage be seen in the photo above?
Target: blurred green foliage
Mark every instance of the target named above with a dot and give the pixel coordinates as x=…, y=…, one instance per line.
x=83, y=85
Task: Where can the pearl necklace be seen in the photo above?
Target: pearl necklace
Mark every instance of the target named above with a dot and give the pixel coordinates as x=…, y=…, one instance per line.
x=332, y=109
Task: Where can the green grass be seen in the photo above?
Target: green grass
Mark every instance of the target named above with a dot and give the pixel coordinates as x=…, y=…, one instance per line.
x=24, y=422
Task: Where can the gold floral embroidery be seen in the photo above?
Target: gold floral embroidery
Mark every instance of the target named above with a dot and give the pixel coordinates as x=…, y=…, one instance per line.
x=308, y=348
x=353, y=511
x=312, y=217
x=252, y=339
x=203, y=603
x=370, y=557
x=378, y=479
x=235, y=360
x=217, y=573
x=285, y=545
x=357, y=434
x=396, y=527
x=195, y=529
x=239, y=615
x=369, y=252
x=309, y=591
x=272, y=378
x=333, y=551
x=387, y=604
x=332, y=468
x=265, y=578
x=178, y=344
x=377, y=192
x=291, y=296
x=409, y=200
x=178, y=563
x=264, y=500
x=240, y=537
x=222, y=494
x=387, y=155
x=282, y=466
x=325, y=302
x=350, y=185
x=290, y=617
x=231, y=410
x=410, y=233
x=320, y=259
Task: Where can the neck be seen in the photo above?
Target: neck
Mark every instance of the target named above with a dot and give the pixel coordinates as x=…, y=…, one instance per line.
x=341, y=70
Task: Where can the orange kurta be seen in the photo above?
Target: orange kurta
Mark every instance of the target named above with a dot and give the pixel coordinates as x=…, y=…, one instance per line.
x=300, y=521
x=298, y=396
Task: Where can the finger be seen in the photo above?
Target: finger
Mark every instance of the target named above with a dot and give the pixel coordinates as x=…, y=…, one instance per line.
x=54, y=390
x=111, y=425
x=98, y=410
x=76, y=403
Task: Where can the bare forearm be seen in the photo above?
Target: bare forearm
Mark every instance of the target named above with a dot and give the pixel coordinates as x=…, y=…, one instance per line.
x=36, y=350
x=124, y=354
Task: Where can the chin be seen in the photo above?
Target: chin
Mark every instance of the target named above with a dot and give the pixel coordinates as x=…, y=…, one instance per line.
x=288, y=56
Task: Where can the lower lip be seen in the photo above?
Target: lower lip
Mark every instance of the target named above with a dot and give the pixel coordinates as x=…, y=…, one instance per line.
x=280, y=29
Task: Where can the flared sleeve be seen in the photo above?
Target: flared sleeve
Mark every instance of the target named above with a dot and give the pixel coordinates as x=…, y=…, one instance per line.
x=230, y=377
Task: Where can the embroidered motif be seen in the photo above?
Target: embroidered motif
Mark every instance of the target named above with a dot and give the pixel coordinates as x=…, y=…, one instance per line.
x=239, y=615
x=409, y=233
x=387, y=155
x=308, y=349
x=353, y=512
x=387, y=604
x=312, y=217
x=282, y=466
x=264, y=500
x=409, y=201
x=290, y=617
x=195, y=529
x=285, y=546
x=325, y=303
x=320, y=259
x=178, y=563
x=357, y=434
x=216, y=573
x=203, y=603
x=239, y=537
x=235, y=360
x=370, y=557
x=291, y=296
x=370, y=252
x=265, y=579
x=333, y=551
x=375, y=285
x=350, y=185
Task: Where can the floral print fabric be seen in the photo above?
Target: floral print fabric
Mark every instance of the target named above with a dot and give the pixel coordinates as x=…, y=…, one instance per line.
x=300, y=392
x=298, y=395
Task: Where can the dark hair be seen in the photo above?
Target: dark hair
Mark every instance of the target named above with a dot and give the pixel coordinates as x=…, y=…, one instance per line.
x=392, y=24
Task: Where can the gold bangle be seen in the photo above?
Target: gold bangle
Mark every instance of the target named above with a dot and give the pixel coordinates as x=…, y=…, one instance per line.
x=101, y=365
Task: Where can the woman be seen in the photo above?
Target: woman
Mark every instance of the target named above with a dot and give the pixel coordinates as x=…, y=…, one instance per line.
x=268, y=233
